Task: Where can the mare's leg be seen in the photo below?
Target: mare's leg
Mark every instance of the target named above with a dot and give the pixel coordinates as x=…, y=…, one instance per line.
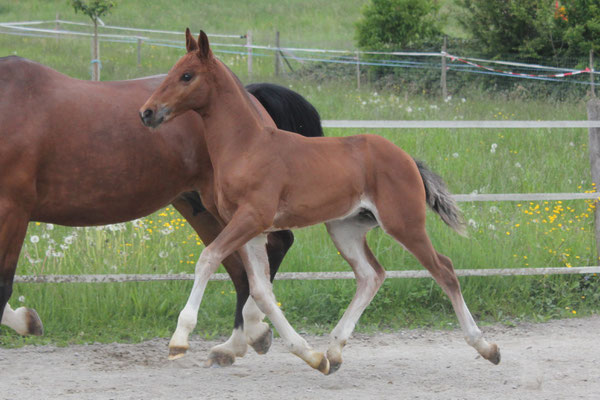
x=249, y=327
x=349, y=236
x=406, y=224
x=13, y=226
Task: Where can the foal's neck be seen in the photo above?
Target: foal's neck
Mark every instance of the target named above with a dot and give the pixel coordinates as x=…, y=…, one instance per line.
x=232, y=120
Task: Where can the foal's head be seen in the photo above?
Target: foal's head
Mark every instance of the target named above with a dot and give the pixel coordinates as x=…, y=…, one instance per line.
x=187, y=86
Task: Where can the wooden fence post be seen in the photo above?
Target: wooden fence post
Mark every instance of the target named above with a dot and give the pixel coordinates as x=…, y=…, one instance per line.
x=443, y=80
x=248, y=46
x=593, y=110
x=357, y=70
x=593, y=89
x=95, y=54
x=57, y=24
x=139, y=52
x=277, y=50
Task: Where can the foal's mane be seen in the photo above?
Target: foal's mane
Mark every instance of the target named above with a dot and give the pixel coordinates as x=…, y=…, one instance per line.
x=241, y=87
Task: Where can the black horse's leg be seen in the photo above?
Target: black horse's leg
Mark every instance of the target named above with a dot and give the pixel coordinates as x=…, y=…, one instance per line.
x=278, y=244
x=248, y=325
x=13, y=227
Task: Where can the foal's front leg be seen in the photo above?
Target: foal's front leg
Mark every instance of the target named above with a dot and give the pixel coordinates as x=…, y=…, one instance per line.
x=225, y=244
x=249, y=327
x=256, y=263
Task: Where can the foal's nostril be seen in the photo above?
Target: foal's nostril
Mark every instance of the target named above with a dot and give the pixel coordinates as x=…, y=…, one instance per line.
x=147, y=113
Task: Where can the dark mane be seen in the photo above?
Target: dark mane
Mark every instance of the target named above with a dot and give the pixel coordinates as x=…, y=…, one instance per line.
x=290, y=111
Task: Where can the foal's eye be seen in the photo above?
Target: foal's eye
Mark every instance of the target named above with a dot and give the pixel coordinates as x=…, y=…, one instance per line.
x=186, y=77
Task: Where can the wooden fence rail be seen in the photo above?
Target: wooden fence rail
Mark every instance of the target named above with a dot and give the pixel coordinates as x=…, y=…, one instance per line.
x=110, y=278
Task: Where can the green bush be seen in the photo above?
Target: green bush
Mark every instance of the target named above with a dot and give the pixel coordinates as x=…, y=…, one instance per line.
x=389, y=25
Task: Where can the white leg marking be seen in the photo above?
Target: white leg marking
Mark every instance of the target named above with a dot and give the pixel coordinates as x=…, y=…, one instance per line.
x=348, y=236
x=15, y=319
x=206, y=266
x=225, y=353
x=257, y=265
x=254, y=327
x=473, y=335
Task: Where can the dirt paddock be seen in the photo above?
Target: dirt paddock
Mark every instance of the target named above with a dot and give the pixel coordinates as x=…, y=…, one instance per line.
x=555, y=360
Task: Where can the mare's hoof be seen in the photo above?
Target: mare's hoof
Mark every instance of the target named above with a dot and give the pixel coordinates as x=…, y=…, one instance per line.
x=263, y=343
x=176, y=352
x=220, y=359
x=494, y=355
x=34, y=323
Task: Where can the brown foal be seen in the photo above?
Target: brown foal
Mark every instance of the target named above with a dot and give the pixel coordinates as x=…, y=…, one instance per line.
x=353, y=184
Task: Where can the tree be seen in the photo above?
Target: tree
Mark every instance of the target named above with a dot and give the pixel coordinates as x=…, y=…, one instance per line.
x=540, y=29
x=398, y=24
x=94, y=9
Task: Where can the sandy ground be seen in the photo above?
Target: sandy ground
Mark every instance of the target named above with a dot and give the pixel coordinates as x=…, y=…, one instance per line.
x=555, y=360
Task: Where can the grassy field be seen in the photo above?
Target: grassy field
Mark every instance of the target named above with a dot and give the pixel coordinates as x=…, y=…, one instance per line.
x=507, y=234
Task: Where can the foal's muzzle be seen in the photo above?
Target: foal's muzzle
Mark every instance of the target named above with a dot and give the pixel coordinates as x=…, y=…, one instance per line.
x=150, y=118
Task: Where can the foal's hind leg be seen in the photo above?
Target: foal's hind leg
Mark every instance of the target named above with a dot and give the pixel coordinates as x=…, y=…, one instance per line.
x=349, y=236
x=415, y=239
x=13, y=226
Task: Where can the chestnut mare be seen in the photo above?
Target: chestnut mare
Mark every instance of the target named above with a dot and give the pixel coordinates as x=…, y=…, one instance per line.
x=267, y=180
x=75, y=153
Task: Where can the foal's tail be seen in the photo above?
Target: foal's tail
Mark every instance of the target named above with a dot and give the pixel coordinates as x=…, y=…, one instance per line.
x=440, y=200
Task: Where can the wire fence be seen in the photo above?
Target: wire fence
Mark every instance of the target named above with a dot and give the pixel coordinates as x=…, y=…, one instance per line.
x=312, y=61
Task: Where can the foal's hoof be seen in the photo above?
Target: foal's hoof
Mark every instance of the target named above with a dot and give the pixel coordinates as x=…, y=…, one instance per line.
x=335, y=361
x=493, y=355
x=324, y=366
x=34, y=323
x=318, y=361
x=177, y=352
x=220, y=359
x=263, y=343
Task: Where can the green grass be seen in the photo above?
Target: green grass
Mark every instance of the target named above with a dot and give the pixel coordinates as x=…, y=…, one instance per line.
x=294, y=19
x=501, y=235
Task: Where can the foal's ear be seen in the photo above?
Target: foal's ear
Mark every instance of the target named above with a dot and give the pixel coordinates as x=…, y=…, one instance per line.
x=204, y=48
x=190, y=42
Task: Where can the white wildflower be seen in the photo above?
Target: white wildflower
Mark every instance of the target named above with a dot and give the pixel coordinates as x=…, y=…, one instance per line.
x=493, y=148
x=34, y=239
